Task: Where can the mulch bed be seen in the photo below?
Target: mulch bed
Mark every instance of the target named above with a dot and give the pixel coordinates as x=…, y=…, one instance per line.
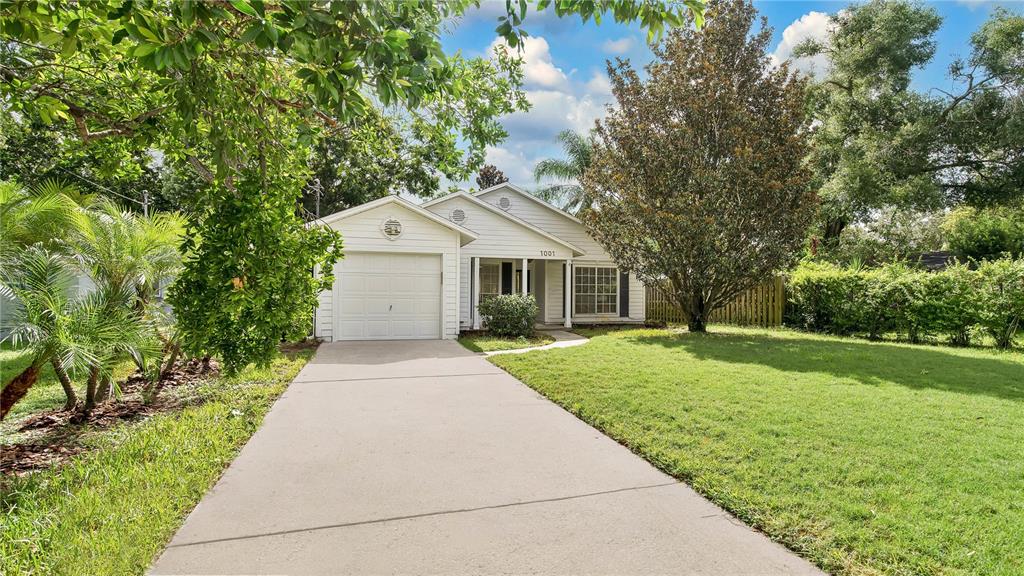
x=57, y=434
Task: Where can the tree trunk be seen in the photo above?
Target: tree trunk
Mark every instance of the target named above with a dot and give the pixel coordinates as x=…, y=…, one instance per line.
x=71, y=399
x=833, y=229
x=696, y=324
x=105, y=390
x=90, y=390
x=16, y=389
x=697, y=321
x=153, y=391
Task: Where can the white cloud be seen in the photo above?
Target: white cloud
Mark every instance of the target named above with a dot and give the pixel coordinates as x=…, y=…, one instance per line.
x=538, y=68
x=513, y=163
x=618, y=47
x=599, y=86
x=813, y=25
x=559, y=100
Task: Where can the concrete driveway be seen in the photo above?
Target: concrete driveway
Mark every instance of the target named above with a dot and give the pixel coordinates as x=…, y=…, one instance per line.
x=423, y=458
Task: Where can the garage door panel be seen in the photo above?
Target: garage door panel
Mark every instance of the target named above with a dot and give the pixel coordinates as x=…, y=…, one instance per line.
x=384, y=296
x=352, y=284
x=377, y=283
x=377, y=329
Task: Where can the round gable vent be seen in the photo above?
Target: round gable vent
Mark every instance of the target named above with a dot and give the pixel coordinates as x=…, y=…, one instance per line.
x=458, y=216
x=504, y=203
x=392, y=228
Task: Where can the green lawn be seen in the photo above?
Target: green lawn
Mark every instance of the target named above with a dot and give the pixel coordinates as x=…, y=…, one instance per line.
x=866, y=458
x=112, y=509
x=483, y=342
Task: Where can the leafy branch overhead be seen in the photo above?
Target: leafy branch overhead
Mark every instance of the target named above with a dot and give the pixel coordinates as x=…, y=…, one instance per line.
x=181, y=75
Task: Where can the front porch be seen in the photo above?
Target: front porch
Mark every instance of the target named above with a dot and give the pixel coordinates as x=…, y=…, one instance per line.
x=592, y=292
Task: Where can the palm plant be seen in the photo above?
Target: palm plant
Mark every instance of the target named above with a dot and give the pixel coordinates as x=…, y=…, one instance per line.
x=566, y=172
x=56, y=325
x=38, y=215
x=119, y=248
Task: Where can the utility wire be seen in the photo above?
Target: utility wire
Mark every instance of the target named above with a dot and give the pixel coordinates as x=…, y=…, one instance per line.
x=101, y=187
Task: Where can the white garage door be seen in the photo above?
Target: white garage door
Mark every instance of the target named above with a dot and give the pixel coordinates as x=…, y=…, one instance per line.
x=388, y=296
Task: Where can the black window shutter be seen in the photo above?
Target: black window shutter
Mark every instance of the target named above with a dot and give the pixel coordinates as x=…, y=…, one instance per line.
x=506, y=277
x=623, y=294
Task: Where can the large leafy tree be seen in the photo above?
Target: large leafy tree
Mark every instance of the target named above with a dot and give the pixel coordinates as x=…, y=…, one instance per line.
x=565, y=174
x=697, y=177
x=374, y=157
x=32, y=152
x=235, y=86
x=882, y=145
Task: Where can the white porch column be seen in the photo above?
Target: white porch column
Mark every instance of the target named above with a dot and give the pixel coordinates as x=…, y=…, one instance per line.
x=567, y=289
x=476, y=293
x=525, y=272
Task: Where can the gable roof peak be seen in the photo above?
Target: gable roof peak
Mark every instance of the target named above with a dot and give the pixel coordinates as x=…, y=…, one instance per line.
x=472, y=198
x=529, y=196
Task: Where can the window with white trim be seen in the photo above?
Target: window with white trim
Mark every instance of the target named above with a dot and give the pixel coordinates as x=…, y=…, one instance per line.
x=490, y=280
x=597, y=290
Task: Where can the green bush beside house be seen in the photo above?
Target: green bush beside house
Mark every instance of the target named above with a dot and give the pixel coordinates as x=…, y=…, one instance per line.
x=510, y=315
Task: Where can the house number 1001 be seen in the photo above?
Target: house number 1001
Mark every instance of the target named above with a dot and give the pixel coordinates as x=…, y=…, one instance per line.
x=547, y=252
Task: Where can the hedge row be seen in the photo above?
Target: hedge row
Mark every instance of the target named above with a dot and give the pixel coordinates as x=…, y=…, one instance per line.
x=957, y=303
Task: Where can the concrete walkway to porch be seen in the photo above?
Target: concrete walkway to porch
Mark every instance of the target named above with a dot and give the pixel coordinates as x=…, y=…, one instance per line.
x=563, y=339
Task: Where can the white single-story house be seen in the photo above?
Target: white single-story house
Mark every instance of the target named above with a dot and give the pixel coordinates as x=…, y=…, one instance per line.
x=419, y=271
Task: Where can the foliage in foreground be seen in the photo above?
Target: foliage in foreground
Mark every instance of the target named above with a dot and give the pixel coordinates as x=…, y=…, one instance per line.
x=958, y=302
x=53, y=235
x=697, y=175
x=864, y=457
x=110, y=511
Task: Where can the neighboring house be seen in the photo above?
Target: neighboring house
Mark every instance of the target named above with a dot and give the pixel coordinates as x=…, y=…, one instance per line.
x=419, y=271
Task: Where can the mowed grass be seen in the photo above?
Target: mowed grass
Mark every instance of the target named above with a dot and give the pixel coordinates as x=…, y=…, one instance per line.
x=486, y=343
x=866, y=458
x=111, y=510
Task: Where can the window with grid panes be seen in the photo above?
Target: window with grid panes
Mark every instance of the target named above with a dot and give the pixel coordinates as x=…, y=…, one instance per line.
x=597, y=290
x=490, y=280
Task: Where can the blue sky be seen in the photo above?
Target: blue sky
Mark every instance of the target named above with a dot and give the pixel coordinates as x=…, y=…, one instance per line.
x=565, y=63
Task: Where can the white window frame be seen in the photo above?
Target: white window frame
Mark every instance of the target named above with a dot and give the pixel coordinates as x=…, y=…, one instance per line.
x=488, y=294
x=576, y=295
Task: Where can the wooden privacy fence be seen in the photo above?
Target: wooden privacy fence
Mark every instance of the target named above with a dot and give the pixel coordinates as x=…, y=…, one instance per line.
x=760, y=306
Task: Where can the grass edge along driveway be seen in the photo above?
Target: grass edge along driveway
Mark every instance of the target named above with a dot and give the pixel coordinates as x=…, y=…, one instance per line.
x=866, y=458
x=112, y=510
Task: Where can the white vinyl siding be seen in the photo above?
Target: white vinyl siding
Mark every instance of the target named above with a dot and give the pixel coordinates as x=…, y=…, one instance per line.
x=420, y=235
x=500, y=238
x=548, y=220
x=573, y=232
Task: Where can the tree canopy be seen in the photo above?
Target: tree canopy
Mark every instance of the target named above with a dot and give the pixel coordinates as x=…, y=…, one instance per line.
x=881, y=144
x=697, y=177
